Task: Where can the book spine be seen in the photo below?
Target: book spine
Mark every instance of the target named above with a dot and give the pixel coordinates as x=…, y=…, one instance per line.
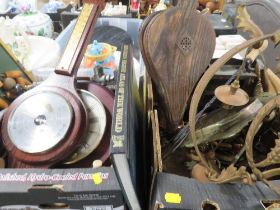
x=119, y=139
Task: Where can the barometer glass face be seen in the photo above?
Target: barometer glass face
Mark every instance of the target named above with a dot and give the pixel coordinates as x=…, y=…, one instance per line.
x=40, y=122
x=97, y=126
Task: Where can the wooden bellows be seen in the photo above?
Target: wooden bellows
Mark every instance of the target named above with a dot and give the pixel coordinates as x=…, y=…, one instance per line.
x=177, y=46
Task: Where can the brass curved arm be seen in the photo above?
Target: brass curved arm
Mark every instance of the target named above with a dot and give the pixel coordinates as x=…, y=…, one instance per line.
x=273, y=157
x=204, y=81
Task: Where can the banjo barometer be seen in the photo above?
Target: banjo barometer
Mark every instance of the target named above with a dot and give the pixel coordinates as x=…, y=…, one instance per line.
x=47, y=124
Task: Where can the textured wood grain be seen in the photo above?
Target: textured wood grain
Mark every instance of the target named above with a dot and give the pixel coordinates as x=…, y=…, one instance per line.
x=178, y=46
x=141, y=39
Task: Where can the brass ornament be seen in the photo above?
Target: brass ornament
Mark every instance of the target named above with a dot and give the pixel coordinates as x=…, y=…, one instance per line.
x=276, y=39
x=259, y=87
x=273, y=156
x=278, y=64
x=246, y=24
x=232, y=95
x=204, y=81
x=255, y=47
x=232, y=174
x=272, y=81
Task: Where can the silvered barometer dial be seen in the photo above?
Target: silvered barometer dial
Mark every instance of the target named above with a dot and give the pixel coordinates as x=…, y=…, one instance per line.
x=40, y=122
x=96, y=129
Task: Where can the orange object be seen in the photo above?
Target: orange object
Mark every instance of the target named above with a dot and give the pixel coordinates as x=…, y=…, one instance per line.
x=212, y=6
x=107, y=50
x=203, y=2
x=104, y=50
x=111, y=65
x=88, y=62
x=22, y=81
x=3, y=103
x=13, y=74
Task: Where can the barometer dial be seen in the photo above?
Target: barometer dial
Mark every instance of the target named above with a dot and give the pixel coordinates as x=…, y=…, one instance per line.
x=97, y=125
x=40, y=122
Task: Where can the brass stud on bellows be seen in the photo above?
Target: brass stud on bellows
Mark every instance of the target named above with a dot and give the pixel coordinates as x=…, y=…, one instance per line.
x=232, y=95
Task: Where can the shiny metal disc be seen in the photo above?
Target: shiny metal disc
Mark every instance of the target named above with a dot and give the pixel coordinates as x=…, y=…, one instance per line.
x=97, y=126
x=40, y=122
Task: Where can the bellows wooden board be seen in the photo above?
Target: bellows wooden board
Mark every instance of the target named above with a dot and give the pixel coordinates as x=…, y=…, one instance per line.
x=177, y=45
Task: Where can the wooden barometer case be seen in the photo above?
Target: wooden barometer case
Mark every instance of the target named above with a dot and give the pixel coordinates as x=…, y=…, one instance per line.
x=47, y=124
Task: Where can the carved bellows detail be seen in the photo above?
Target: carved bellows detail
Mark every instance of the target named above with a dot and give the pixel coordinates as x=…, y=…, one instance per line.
x=177, y=46
x=185, y=44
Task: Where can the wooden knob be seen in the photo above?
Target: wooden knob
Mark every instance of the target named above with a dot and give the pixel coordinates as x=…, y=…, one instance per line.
x=97, y=164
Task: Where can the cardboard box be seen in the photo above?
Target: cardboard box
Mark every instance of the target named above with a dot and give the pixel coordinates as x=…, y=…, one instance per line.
x=173, y=192
x=170, y=191
x=127, y=158
x=177, y=192
x=93, y=189
x=60, y=188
